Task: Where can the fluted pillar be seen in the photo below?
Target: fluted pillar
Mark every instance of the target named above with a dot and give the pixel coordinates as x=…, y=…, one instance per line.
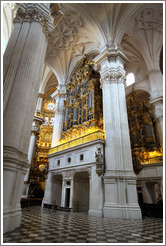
x=58, y=96
x=23, y=64
x=119, y=178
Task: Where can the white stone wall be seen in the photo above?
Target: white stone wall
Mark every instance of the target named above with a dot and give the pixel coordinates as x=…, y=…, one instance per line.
x=87, y=192
x=150, y=179
x=87, y=150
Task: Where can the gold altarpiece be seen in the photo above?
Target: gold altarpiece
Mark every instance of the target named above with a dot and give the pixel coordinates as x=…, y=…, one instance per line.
x=83, y=114
x=83, y=105
x=145, y=146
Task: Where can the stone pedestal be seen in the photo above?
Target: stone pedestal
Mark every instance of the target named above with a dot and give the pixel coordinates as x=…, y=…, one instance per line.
x=23, y=64
x=96, y=194
x=119, y=178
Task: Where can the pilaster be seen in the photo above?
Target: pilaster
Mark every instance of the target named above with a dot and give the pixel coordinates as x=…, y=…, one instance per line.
x=119, y=177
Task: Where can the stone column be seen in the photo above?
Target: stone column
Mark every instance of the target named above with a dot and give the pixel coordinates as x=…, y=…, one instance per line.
x=158, y=115
x=63, y=194
x=71, y=192
x=23, y=64
x=34, y=133
x=119, y=178
x=39, y=103
x=48, y=190
x=58, y=96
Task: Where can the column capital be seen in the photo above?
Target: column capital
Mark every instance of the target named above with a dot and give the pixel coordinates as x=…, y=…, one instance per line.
x=112, y=76
x=37, y=121
x=111, y=61
x=60, y=92
x=111, y=53
x=35, y=12
x=58, y=97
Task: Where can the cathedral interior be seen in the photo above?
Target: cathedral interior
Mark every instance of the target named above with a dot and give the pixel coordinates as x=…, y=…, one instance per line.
x=82, y=122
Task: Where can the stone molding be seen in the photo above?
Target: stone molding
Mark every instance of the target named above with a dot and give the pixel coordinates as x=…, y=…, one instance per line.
x=37, y=121
x=64, y=34
x=111, y=62
x=149, y=18
x=38, y=12
x=59, y=96
x=88, y=144
x=14, y=160
x=112, y=76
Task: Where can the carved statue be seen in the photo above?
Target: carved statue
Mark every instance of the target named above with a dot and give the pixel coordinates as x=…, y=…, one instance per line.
x=99, y=161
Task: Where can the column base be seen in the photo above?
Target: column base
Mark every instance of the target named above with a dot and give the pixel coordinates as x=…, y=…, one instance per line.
x=122, y=212
x=96, y=213
x=11, y=220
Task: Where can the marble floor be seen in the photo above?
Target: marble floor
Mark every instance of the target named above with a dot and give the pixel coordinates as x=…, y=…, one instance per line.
x=43, y=225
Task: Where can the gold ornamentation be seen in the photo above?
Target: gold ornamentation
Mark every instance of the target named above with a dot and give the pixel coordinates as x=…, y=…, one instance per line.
x=83, y=106
x=144, y=144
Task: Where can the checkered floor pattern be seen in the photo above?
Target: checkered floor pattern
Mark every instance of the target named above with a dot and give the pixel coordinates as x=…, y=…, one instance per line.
x=43, y=225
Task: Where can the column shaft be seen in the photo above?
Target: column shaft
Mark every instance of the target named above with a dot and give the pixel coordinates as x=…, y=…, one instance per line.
x=119, y=177
x=30, y=155
x=23, y=64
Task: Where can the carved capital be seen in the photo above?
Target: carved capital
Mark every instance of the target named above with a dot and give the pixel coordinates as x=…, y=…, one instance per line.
x=59, y=96
x=38, y=12
x=113, y=76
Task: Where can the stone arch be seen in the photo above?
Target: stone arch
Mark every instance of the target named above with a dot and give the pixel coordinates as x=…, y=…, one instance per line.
x=81, y=191
x=153, y=188
x=57, y=189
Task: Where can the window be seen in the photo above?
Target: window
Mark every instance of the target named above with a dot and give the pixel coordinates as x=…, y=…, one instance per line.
x=81, y=157
x=50, y=106
x=130, y=79
x=58, y=162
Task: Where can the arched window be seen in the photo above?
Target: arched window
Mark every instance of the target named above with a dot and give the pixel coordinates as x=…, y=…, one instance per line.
x=130, y=79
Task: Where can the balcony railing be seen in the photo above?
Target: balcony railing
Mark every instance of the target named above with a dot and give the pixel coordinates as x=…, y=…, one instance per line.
x=75, y=142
